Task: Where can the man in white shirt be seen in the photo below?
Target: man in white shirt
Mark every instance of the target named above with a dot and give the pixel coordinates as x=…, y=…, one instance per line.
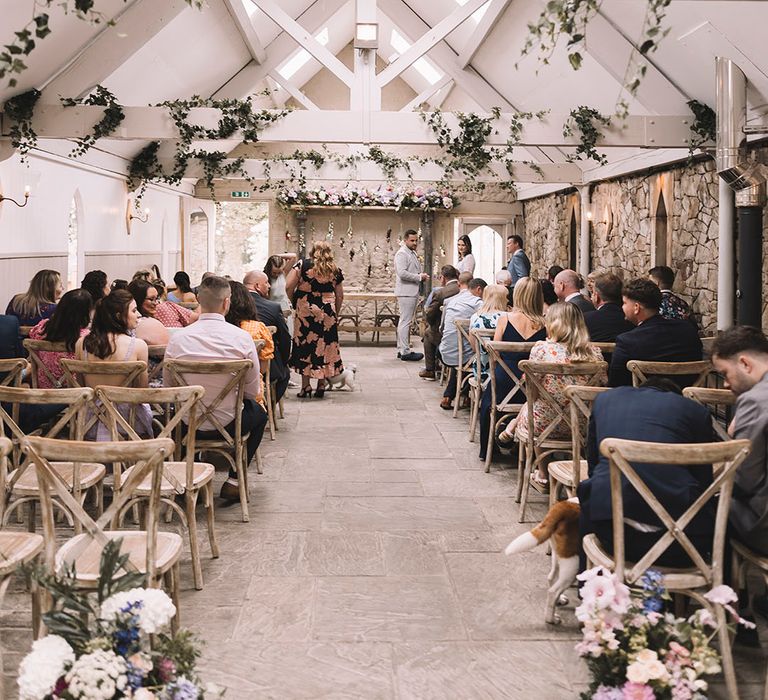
x=408, y=276
x=568, y=284
x=211, y=338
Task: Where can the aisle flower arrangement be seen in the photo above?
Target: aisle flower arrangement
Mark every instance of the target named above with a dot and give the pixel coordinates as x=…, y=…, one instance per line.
x=99, y=645
x=414, y=198
x=636, y=651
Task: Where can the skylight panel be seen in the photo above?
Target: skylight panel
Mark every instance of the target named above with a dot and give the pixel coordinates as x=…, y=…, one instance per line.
x=294, y=64
x=427, y=70
x=477, y=15
x=399, y=42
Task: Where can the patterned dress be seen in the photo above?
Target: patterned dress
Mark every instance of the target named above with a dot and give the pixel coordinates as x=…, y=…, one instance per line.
x=315, y=328
x=543, y=412
x=672, y=306
x=52, y=360
x=488, y=321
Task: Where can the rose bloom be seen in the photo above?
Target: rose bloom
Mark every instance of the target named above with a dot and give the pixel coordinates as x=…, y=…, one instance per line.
x=637, y=673
x=143, y=694
x=638, y=691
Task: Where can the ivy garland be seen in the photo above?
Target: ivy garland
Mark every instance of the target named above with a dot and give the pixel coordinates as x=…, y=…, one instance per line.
x=113, y=117
x=704, y=127
x=12, y=56
x=585, y=119
x=19, y=110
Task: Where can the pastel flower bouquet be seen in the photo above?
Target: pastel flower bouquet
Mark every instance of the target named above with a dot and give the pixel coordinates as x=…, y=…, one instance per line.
x=636, y=651
x=425, y=199
x=99, y=645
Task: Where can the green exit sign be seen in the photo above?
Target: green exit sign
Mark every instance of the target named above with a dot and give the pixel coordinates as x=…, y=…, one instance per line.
x=241, y=195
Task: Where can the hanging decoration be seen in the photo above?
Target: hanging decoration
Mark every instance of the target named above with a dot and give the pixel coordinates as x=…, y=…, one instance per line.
x=329, y=235
x=349, y=228
x=416, y=198
x=370, y=269
x=389, y=234
x=376, y=248
x=351, y=255
x=287, y=235
x=442, y=250
x=341, y=242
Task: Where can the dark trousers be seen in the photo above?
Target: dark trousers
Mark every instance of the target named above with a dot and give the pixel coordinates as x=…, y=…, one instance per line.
x=450, y=387
x=254, y=420
x=430, y=354
x=281, y=385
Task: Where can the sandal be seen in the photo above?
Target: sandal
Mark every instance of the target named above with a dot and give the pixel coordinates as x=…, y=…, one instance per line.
x=305, y=393
x=540, y=485
x=505, y=438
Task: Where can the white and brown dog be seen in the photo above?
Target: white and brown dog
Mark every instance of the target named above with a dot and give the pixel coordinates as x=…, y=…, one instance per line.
x=345, y=378
x=561, y=525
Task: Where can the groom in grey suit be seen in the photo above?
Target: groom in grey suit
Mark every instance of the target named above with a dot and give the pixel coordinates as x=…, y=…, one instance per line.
x=740, y=354
x=518, y=266
x=408, y=276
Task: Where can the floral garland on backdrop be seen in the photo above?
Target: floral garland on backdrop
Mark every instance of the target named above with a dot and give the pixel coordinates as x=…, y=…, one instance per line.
x=417, y=198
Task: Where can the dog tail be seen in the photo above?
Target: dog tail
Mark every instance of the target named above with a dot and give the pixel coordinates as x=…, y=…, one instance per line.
x=562, y=510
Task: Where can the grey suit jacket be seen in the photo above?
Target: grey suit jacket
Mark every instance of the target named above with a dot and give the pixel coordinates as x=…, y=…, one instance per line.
x=519, y=266
x=749, y=507
x=407, y=273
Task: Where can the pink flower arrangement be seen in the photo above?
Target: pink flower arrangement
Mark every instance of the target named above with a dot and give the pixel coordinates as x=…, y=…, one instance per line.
x=428, y=199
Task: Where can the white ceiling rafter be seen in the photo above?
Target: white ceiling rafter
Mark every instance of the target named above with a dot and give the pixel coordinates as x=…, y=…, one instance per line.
x=429, y=39
x=305, y=39
x=244, y=24
x=293, y=90
x=111, y=47
x=424, y=95
x=484, y=27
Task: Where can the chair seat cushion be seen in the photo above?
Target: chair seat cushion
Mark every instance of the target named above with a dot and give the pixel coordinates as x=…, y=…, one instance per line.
x=18, y=548
x=168, y=551
x=90, y=475
x=202, y=473
x=562, y=471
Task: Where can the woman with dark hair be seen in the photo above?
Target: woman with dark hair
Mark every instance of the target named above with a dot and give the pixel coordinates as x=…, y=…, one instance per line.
x=548, y=290
x=40, y=299
x=243, y=314
x=183, y=292
x=275, y=272
x=95, y=282
x=149, y=329
x=466, y=259
x=67, y=325
x=166, y=313
x=119, y=284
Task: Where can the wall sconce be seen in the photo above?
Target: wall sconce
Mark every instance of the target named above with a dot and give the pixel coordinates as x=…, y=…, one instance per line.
x=130, y=216
x=366, y=35
x=27, y=192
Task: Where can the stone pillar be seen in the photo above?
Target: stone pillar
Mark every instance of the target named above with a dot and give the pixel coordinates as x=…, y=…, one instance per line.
x=301, y=224
x=586, y=203
x=726, y=264
x=427, y=219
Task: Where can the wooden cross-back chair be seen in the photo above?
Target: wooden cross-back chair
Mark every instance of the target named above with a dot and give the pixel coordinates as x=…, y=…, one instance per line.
x=503, y=408
x=185, y=478
x=466, y=363
x=567, y=474
x=539, y=447
x=22, y=484
x=16, y=550
x=717, y=400
x=478, y=337
x=642, y=370
x=265, y=366
x=232, y=448
x=76, y=373
x=12, y=370
x=701, y=576
x=156, y=353
x=34, y=348
x=150, y=551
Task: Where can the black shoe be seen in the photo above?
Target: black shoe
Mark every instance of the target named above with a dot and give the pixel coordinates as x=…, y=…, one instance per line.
x=399, y=356
x=412, y=357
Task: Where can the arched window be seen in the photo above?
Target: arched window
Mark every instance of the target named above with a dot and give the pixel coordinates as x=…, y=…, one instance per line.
x=573, y=240
x=73, y=277
x=487, y=248
x=660, y=233
x=242, y=237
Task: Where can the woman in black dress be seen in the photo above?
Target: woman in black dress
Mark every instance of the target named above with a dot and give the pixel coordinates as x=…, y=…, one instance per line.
x=315, y=284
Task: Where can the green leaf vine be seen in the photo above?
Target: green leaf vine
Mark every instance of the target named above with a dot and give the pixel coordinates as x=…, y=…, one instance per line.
x=19, y=110
x=113, y=117
x=585, y=120
x=704, y=127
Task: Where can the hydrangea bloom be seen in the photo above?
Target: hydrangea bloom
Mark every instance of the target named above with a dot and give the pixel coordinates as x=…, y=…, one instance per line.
x=97, y=676
x=606, y=693
x=155, y=612
x=182, y=689
x=43, y=666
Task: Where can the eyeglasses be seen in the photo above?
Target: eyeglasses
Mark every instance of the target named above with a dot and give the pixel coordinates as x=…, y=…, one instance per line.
x=151, y=300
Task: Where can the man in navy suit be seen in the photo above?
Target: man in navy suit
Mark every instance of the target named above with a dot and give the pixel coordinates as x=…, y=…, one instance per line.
x=654, y=339
x=654, y=412
x=607, y=321
x=519, y=266
x=568, y=285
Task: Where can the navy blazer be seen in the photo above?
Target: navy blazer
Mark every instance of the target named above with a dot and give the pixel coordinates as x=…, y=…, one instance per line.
x=606, y=323
x=271, y=314
x=582, y=303
x=656, y=340
x=650, y=415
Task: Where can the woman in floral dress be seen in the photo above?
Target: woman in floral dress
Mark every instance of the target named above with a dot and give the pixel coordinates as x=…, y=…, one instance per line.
x=315, y=284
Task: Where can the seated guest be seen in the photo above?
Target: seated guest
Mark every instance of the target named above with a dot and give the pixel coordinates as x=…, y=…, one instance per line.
x=654, y=412
x=151, y=305
x=119, y=284
x=740, y=354
x=162, y=290
x=460, y=306
x=524, y=323
x=96, y=284
x=10, y=341
x=493, y=308
x=40, y=299
x=553, y=272
x=242, y=313
x=654, y=338
x=568, y=285
x=433, y=315
x=270, y=313
x=548, y=292
x=608, y=320
x=70, y=322
x=183, y=293
x=504, y=277
x=477, y=286
x=211, y=339
x=567, y=343
x=672, y=306
x=149, y=329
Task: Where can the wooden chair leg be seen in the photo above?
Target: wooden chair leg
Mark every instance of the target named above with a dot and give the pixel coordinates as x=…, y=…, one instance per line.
x=31, y=516
x=210, y=517
x=270, y=411
x=457, y=397
x=280, y=406
x=258, y=463
x=530, y=462
x=172, y=585
x=242, y=470
x=522, y=456
x=491, y=438
x=194, y=545
x=726, y=653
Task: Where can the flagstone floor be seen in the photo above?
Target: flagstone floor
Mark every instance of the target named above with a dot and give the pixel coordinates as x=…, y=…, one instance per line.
x=372, y=565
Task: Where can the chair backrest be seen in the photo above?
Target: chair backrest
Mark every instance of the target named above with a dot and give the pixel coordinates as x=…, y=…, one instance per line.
x=496, y=349
x=11, y=371
x=581, y=399
x=466, y=360
x=156, y=354
x=75, y=370
x=478, y=337
x=706, y=345
x=605, y=348
x=622, y=453
x=535, y=390
x=642, y=369
x=34, y=347
x=714, y=399
x=179, y=370
x=146, y=455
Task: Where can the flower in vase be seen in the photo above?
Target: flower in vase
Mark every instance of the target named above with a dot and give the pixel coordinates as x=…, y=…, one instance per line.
x=181, y=689
x=637, y=691
x=447, y=203
x=97, y=676
x=166, y=669
x=43, y=666
x=155, y=612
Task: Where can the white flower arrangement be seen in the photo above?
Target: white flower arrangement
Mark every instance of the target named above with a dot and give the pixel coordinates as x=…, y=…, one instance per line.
x=99, y=675
x=43, y=666
x=155, y=608
x=427, y=199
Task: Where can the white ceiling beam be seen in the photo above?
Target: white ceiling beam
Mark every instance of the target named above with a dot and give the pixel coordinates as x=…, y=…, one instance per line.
x=436, y=100
x=244, y=24
x=342, y=126
x=305, y=39
x=429, y=40
x=112, y=47
x=484, y=27
x=293, y=90
x=424, y=95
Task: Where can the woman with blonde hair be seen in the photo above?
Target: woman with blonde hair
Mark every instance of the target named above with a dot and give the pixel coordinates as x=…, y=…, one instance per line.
x=494, y=307
x=40, y=299
x=567, y=342
x=524, y=323
x=315, y=284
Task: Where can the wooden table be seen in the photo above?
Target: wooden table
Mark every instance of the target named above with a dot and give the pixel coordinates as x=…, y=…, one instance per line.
x=385, y=311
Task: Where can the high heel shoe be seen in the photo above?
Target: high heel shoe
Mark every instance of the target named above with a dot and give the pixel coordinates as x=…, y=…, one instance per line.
x=305, y=394
x=320, y=392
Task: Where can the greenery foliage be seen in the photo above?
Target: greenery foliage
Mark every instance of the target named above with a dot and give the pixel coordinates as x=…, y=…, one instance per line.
x=704, y=127
x=585, y=120
x=113, y=117
x=19, y=110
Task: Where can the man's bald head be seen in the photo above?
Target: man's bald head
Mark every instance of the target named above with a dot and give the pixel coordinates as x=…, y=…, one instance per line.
x=257, y=281
x=566, y=283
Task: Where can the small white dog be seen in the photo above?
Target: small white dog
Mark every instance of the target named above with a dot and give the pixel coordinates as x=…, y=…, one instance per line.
x=345, y=378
